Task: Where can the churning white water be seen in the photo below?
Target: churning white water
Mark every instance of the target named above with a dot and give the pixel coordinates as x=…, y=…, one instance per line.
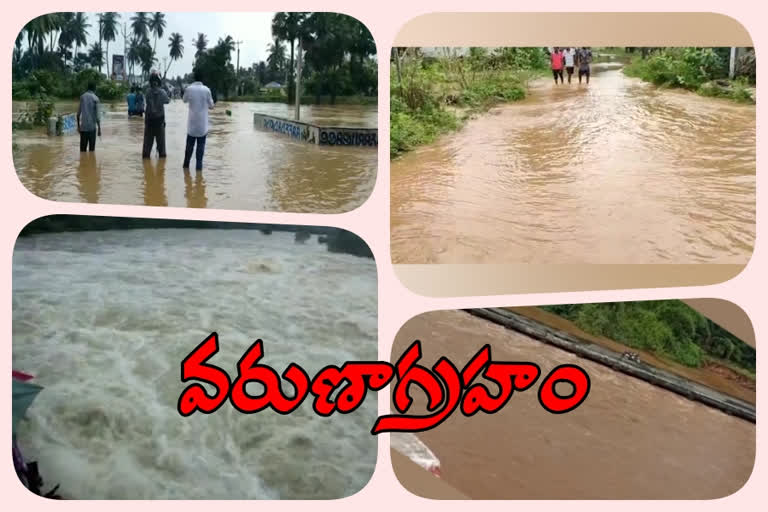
x=104, y=319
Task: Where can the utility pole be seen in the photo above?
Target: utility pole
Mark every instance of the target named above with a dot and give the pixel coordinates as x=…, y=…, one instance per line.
x=237, y=72
x=298, y=82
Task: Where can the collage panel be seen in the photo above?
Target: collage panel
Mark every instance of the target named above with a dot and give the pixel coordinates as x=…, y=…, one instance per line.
x=272, y=111
x=547, y=144
x=111, y=315
x=624, y=401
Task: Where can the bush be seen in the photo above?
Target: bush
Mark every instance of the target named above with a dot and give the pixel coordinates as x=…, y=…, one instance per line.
x=38, y=116
x=67, y=85
x=668, y=328
x=426, y=86
x=697, y=69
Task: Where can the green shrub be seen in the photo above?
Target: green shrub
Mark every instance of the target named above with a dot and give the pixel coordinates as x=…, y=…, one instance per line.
x=668, y=328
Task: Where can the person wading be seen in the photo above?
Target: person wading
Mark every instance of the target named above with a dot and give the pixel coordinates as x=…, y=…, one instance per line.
x=200, y=100
x=558, y=60
x=131, y=99
x=139, y=102
x=570, y=55
x=88, y=124
x=584, y=58
x=154, y=121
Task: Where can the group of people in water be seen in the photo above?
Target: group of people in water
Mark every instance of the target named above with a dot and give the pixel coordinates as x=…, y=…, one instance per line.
x=568, y=59
x=151, y=106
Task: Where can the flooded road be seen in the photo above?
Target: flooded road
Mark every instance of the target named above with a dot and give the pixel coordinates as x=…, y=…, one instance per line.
x=628, y=440
x=244, y=168
x=615, y=172
x=104, y=319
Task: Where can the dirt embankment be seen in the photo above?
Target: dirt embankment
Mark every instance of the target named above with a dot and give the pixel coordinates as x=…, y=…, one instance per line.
x=713, y=375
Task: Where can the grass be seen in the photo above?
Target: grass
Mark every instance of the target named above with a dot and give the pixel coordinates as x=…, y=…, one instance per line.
x=693, y=69
x=434, y=103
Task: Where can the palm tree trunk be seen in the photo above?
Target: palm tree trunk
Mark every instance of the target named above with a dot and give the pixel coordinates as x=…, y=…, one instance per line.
x=106, y=59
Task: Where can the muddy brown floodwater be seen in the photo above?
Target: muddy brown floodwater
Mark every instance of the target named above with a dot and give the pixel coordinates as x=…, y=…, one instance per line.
x=628, y=440
x=619, y=171
x=244, y=168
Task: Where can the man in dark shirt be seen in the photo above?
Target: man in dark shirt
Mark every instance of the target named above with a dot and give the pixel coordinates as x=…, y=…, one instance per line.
x=584, y=58
x=154, y=118
x=88, y=124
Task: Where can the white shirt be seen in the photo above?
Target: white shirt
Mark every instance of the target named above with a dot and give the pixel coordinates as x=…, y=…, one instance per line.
x=200, y=100
x=569, y=55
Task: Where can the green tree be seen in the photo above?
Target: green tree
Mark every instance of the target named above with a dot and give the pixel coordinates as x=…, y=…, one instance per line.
x=146, y=57
x=96, y=55
x=175, y=49
x=215, y=67
x=201, y=44
x=156, y=26
x=140, y=25
x=108, y=32
x=287, y=26
x=276, y=56
x=78, y=30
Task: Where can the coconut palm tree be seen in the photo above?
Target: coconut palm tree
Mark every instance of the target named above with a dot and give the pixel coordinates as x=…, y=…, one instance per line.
x=133, y=54
x=109, y=31
x=95, y=55
x=176, y=49
x=286, y=26
x=140, y=25
x=78, y=29
x=146, y=57
x=156, y=25
x=227, y=44
x=276, y=56
x=201, y=44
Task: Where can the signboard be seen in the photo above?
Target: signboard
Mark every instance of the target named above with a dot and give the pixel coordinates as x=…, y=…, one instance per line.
x=118, y=67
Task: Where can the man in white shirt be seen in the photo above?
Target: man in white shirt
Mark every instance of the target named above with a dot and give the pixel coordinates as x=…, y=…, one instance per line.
x=199, y=99
x=570, y=54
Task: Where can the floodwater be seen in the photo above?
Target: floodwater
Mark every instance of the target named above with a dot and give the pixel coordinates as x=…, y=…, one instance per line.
x=619, y=171
x=104, y=319
x=244, y=168
x=627, y=440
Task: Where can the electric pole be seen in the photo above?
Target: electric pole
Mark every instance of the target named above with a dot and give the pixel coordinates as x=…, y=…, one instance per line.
x=238, y=43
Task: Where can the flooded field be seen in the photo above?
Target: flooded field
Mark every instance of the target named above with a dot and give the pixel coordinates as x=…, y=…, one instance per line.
x=628, y=440
x=104, y=319
x=619, y=171
x=244, y=168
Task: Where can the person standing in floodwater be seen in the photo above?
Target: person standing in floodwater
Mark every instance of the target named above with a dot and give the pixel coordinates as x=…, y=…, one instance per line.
x=131, y=100
x=88, y=124
x=154, y=121
x=200, y=101
x=139, y=102
x=558, y=60
x=584, y=58
x=570, y=55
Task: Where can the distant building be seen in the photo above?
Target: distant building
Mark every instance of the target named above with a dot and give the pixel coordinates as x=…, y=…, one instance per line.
x=273, y=86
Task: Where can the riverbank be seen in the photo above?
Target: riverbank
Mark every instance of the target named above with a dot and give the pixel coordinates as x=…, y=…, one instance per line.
x=434, y=95
x=451, y=108
x=712, y=375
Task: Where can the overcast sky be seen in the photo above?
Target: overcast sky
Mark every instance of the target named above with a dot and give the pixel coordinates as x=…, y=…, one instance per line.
x=254, y=29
